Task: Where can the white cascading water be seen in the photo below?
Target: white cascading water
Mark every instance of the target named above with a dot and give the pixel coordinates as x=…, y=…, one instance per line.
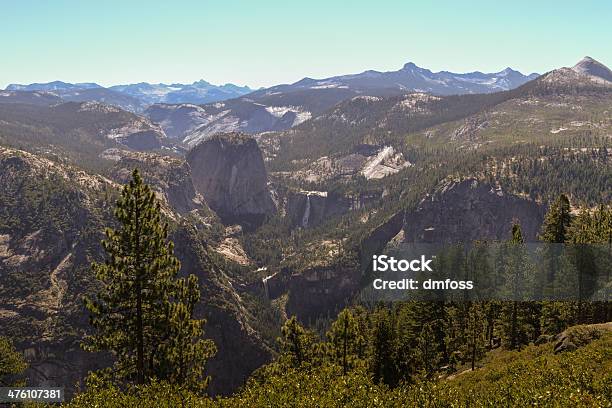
x=265, y=285
x=306, y=215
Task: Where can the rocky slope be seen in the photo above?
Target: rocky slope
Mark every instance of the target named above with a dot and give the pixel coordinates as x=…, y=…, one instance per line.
x=228, y=170
x=469, y=210
x=50, y=230
x=78, y=132
x=587, y=73
x=589, y=66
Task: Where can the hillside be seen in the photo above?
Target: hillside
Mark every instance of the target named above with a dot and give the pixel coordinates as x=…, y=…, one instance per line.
x=51, y=224
x=77, y=132
x=533, y=376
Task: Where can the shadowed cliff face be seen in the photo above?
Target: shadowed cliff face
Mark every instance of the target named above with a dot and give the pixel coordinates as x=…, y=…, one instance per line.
x=471, y=210
x=228, y=170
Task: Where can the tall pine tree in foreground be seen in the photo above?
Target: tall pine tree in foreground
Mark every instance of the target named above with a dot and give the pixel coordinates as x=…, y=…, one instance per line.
x=296, y=343
x=143, y=313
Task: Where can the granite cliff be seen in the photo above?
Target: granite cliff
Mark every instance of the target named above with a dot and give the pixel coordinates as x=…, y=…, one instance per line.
x=228, y=170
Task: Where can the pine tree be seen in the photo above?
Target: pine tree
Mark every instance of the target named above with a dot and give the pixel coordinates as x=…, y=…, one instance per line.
x=383, y=360
x=12, y=363
x=184, y=354
x=143, y=314
x=515, y=313
x=557, y=221
x=346, y=341
x=427, y=351
x=296, y=343
x=477, y=335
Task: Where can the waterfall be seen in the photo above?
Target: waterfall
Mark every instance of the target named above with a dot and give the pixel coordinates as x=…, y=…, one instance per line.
x=265, y=285
x=306, y=215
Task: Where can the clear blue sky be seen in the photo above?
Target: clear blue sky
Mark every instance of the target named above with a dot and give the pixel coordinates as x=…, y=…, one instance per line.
x=261, y=43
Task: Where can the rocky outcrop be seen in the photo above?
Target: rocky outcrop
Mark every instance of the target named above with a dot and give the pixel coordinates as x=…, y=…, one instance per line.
x=376, y=240
x=469, y=210
x=575, y=337
x=146, y=140
x=170, y=177
x=369, y=161
x=308, y=209
x=228, y=170
x=579, y=336
x=321, y=291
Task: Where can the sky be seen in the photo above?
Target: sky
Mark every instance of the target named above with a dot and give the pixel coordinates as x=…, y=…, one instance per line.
x=267, y=42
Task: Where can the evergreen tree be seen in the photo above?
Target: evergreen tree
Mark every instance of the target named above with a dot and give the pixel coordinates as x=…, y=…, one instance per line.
x=383, y=360
x=427, y=351
x=554, y=231
x=557, y=221
x=143, y=314
x=296, y=343
x=477, y=337
x=11, y=363
x=346, y=341
x=516, y=314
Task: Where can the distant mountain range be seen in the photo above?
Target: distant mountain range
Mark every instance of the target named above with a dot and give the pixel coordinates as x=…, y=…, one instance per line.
x=413, y=78
x=136, y=97
x=52, y=86
x=284, y=106
x=198, y=92
x=190, y=113
x=328, y=91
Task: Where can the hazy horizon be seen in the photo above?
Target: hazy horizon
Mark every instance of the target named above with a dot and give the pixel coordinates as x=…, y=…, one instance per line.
x=257, y=45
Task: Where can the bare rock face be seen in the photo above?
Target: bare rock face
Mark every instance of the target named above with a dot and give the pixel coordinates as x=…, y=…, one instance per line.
x=170, y=178
x=308, y=209
x=468, y=210
x=588, y=66
x=228, y=170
